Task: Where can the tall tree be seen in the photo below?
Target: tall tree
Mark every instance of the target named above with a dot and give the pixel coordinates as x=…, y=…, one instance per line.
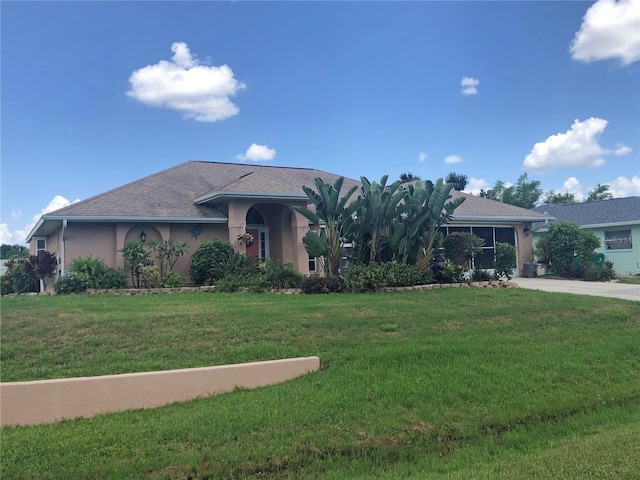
x=408, y=177
x=13, y=251
x=559, y=198
x=601, y=192
x=523, y=194
x=458, y=180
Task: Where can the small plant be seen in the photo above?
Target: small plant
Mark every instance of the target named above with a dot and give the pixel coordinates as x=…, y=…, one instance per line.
x=600, y=273
x=150, y=276
x=281, y=276
x=480, y=275
x=461, y=247
x=448, y=273
x=136, y=257
x=173, y=280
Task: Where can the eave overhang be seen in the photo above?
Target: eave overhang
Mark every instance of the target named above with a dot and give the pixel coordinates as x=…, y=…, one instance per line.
x=499, y=218
x=49, y=223
x=629, y=223
x=220, y=196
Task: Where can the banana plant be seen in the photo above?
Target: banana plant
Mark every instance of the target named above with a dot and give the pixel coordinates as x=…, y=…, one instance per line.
x=333, y=214
x=425, y=210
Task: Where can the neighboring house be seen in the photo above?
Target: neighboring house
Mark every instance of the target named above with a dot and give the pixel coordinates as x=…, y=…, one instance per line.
x=616, y=222
x=198, y=201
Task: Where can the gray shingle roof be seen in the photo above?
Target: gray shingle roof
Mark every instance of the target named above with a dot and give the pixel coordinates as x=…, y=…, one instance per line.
x=173, y=193
x=615, y=210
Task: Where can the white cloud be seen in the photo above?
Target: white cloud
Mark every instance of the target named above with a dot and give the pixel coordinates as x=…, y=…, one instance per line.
x=422, y=157
x=201, y=92
x=625, y=187
x=576, y=148
x=622, y=150
x=15, y=214
x=469, y=85
x=19, y=236
x=257, y=153
x=453, y=159
x=474, y=185
x=610, y=30
x=573, y=185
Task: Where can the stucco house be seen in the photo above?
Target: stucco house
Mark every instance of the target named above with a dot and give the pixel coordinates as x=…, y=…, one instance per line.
x=616, y=222
x=198, y=201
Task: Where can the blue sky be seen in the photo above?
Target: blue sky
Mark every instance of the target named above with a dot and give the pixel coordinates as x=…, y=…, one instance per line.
x=98, y=94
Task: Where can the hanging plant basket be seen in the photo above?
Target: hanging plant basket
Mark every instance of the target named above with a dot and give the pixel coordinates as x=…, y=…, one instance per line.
x=245, y=239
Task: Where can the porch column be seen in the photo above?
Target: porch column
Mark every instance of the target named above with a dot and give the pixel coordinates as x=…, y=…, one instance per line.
x=237, y=223
x=299, y=228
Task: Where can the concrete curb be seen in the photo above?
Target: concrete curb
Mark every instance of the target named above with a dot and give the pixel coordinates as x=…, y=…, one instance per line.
x=47, y=401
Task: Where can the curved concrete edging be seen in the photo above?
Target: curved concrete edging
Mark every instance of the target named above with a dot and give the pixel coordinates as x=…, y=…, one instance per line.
x=47, y=401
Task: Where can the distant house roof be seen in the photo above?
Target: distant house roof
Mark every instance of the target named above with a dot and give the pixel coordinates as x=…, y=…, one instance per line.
x=192, y=192
x=621, y=211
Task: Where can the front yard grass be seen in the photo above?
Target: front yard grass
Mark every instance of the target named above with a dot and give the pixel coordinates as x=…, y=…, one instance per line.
x=451, y=383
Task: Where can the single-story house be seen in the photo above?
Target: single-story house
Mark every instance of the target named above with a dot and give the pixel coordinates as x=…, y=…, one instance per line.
x=616, y=222
x=198, y=201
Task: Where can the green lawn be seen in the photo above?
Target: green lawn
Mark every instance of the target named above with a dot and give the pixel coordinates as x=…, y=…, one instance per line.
x=443, y=384
x=631, y=280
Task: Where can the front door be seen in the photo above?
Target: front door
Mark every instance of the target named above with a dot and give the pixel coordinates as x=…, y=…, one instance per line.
x=254, y=248
x=260, y=246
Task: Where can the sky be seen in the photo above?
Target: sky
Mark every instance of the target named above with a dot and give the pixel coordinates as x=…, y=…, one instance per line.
x=99, y=94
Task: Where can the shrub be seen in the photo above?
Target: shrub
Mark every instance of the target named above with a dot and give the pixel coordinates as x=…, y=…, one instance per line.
x=72, y=283
x=150, y=276
x=282, y=276
x=506, y=260
x=480, y=275
x=241, y=265
x=461, y=247
x=209, y=260
x=600, y=273
x=6, y=284
x=364, y=278
x=173, y=280
x=22, y=277
x=564, y=241
x=316, y=284
x=447, y=273
x=236, y=283
x=95, y=273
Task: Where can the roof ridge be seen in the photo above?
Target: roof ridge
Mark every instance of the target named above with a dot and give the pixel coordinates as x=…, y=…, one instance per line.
x=254, y=165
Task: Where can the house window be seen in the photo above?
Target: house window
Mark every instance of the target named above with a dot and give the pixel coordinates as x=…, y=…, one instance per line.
x=618, y=240
x=485, y=259
x=312, y=264
x=41, y=245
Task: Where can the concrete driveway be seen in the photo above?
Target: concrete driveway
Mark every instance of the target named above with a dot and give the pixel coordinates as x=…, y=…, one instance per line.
x=599, y=289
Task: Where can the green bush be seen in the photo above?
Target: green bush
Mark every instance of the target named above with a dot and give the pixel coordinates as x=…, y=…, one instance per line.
x=600, y=273
x=150, y=276
x=461, y=247
x=506, y=260
x=241, y=265
x=89, y=272
x=480, y=275
x=209, y=261
x=173, y=280
x=22, y=277
x=448, y=273
x=72, y=283
x=366, y=278
x=281, y=276
x=236, y=283
x=564, y=242
x=6, y=284
x=317, y=285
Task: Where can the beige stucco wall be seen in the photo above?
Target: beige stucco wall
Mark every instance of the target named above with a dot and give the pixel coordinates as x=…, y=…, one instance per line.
x=46, y=401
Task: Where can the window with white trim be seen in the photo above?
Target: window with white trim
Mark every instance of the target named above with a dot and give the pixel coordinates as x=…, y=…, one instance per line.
x=618, y=240
x=41, y=245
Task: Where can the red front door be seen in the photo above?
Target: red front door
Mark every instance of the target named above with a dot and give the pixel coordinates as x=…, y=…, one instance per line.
x=254, y=248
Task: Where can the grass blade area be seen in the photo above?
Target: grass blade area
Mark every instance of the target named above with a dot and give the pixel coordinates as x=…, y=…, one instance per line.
x=452, y=383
